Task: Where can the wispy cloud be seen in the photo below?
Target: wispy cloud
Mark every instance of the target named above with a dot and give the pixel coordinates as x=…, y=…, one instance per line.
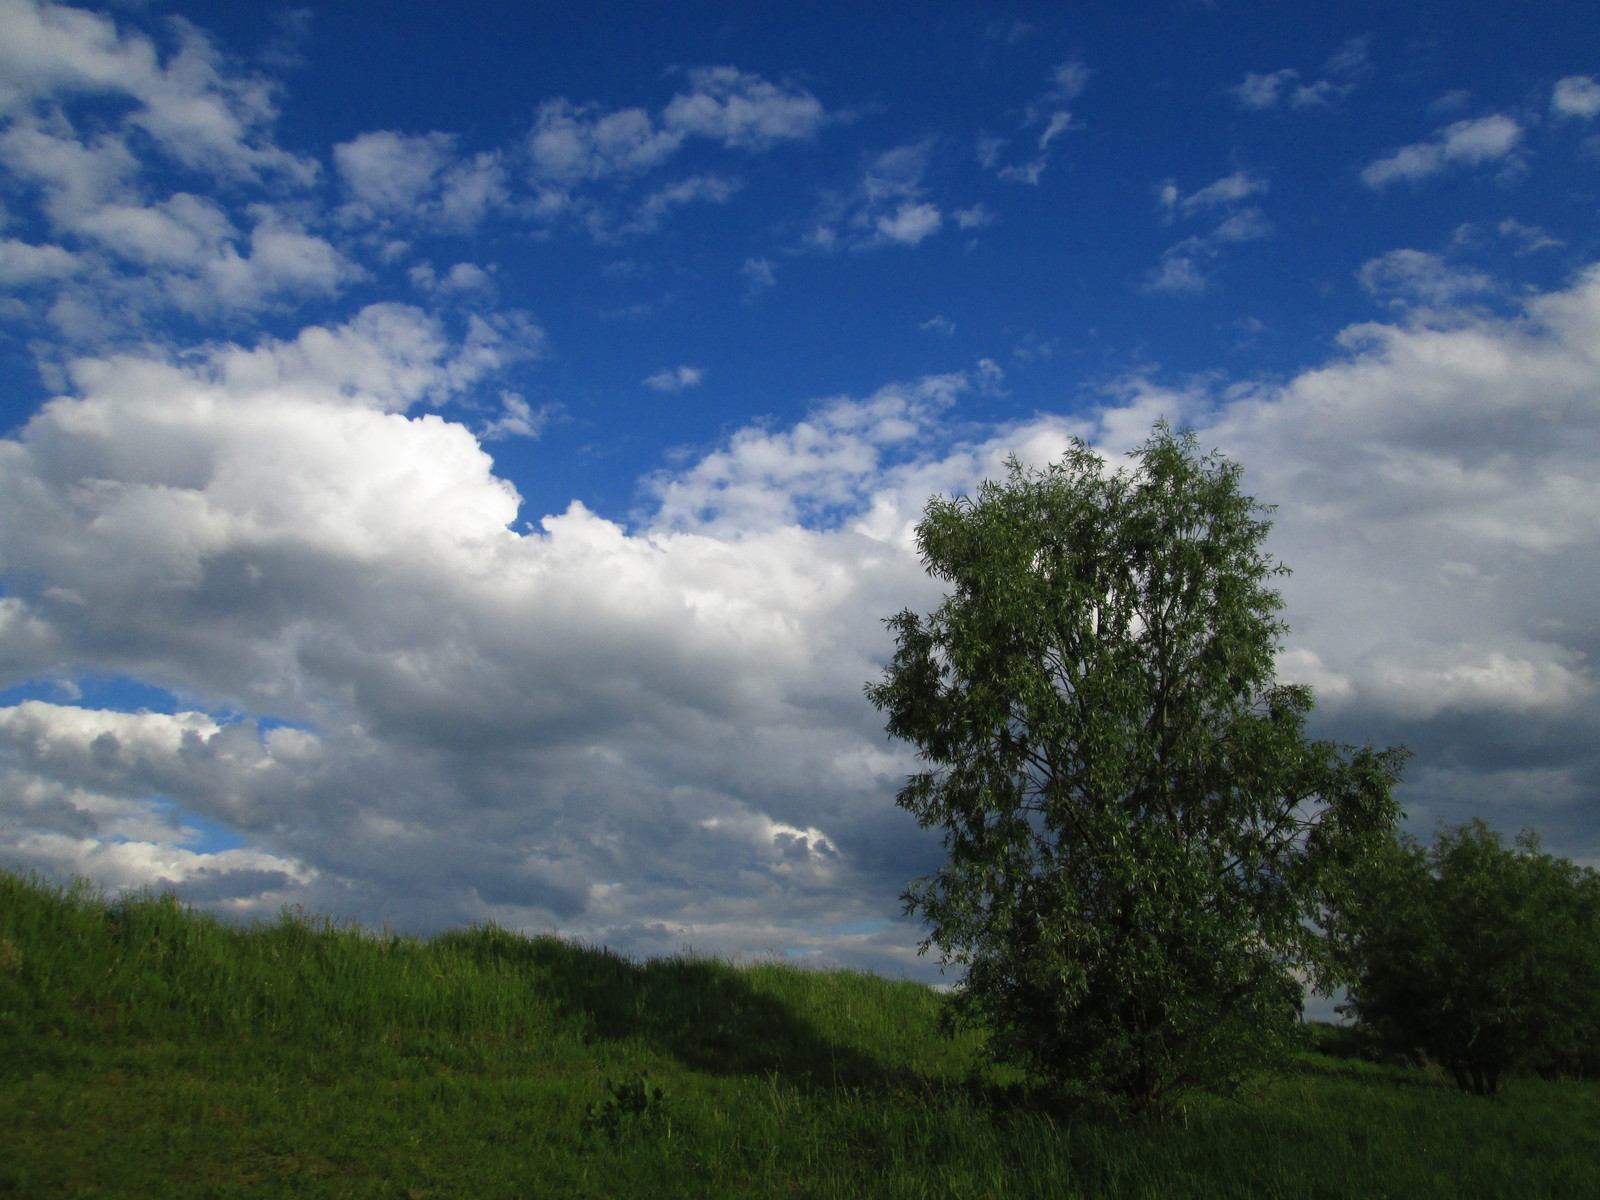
x=572, y=143
x=760, y=275
x=1409, y=278
x=1224, y=193
x=887, y=207
x=1289, y=88
x=1576, y=96
x=1048, y=113
x=517, y=418
x=743, y=111
x=1484, y=140
x=1183, y=267
x=675, y=379
x=1280, y=88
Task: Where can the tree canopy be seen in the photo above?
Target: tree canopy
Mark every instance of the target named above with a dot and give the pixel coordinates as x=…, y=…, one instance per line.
x=1140, y=835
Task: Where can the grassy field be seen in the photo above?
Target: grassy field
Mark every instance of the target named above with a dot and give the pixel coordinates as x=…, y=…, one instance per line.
x=146, y=1051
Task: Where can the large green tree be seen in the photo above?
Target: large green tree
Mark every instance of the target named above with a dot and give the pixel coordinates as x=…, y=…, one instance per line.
x=1483, y=957
x=1140, y=836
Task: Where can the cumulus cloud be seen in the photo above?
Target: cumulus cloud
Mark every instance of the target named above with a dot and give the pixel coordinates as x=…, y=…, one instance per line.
x=462, y=279
x=1448, y=462
x=572, y=143
x=657, y=735
x=195, y=112
x=125, y=243
x=290, y=543
x=389, y=172
x=419, y=180
x=1439, y=508
x=975, y=217
x=260, y=236
x=22, y=263
x=1492, y=139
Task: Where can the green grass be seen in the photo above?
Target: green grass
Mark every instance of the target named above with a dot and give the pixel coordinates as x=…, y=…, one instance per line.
x=146, y=1051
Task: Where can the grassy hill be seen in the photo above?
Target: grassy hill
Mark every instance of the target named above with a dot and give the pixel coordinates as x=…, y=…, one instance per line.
x=148, y=1051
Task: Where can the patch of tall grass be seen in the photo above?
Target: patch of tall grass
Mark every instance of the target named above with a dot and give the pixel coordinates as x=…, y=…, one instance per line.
x=146, y=1050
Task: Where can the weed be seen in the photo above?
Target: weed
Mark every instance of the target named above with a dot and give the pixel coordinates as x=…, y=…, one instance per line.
x=632, y=1108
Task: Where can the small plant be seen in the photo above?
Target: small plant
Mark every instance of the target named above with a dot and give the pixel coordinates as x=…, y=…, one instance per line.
x=633, y=1107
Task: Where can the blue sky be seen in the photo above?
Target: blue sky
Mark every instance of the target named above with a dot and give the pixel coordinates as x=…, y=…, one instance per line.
x=456, y=459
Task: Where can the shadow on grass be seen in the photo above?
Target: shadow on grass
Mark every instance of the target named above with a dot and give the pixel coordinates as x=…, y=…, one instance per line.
x=701, y=1012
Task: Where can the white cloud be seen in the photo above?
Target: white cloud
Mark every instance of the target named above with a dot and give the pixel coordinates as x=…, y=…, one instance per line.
x=1492, y=139
x=22, y=263
x=910, y=223
x=194, y=112
x=419, y=180
x=975, y=217
x=989, y=148
x=943, y=326
x=1453, y=462
x=1265, y=91
x=675, y=379
x=124, y=243
x=1029, y=172
x=270, y=541
x=1410, y=277
x=573, y=144
x=743, y=111
x=888, y=206
x=1576, y=96
x=462, y=279
x=518, y=418
x=390, y=172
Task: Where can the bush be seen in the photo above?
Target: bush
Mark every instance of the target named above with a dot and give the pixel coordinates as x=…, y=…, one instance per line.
x=1483, y=957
